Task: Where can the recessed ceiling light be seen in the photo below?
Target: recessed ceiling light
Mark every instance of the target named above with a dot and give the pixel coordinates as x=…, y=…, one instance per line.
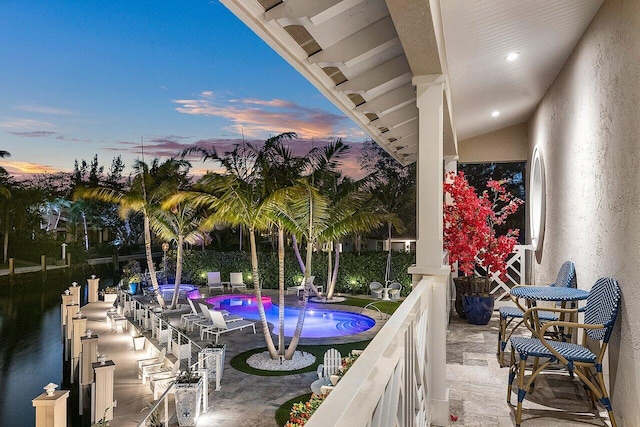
x=495, y=114
x=513, y=56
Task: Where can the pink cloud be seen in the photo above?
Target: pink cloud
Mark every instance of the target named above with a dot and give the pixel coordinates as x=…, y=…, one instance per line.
x=21, y=169
x=256, y=118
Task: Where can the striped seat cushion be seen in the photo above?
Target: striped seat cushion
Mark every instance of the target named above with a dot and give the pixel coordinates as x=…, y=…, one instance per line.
x=533, y=347
x=516, y=312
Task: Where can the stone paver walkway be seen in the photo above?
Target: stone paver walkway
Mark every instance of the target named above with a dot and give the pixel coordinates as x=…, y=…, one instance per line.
x=477, y=383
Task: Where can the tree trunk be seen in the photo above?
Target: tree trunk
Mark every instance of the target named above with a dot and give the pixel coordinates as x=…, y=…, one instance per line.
x=176, y=289
x=256, y=286
x=5, y=239
x=152, y=268
x=86, y=233
x=294, y=243
x=329, y=267
x=55, y=224
x=281, y=291
x=303, y=309
x=334, y=276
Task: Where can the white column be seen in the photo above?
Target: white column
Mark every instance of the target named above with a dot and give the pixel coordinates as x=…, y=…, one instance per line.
x=93, y=288
x=79, y=329
x=66, y=300
x=102, y=392
x=75, y=291
x=89, y=355
x=51, y=411
x=429, y=173
x=429, y=245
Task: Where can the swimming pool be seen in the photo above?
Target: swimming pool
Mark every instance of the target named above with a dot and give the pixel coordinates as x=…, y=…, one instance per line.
x=318, y=323
x=187, y=291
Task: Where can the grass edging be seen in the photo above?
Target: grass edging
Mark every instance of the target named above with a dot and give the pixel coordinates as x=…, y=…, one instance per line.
x=239, y=361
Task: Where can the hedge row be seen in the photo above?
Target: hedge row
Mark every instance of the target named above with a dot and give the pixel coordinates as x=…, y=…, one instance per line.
x=355, y=274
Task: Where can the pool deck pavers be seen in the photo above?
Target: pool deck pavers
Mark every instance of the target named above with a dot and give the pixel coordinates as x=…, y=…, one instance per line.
x=477, y=383
x=243, y=400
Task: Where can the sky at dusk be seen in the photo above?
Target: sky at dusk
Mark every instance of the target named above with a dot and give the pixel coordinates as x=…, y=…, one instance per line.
x=79, y=78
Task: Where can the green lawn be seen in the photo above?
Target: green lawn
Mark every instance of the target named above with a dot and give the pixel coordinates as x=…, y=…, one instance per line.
x=239, y=362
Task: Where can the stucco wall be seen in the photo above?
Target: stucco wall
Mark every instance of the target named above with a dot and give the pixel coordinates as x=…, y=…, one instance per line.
x=504, y=145
x=588, y=126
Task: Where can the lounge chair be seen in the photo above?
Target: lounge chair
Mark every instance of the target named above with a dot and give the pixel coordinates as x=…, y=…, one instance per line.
x=214, y=282
x=229, y=318
x=194, y=315
x=300, y=287
x=584, y=361
x=376, y=289
x=236, y=282
x=222, y=327
x=566, y=278
x=159, y=382
x=149, y=362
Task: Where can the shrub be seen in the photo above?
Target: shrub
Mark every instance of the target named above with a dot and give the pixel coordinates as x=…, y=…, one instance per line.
x=355, y=273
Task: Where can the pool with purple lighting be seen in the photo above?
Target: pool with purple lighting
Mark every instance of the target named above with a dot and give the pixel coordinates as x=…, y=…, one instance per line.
x=318, y=323
x=186, y=291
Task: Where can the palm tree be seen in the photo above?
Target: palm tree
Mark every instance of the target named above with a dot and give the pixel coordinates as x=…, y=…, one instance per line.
x=253, y=177
x=4, y=191
x=180, y=223
x=234, y=201
x=303, y=212
x=148, y=188
x=350, y=212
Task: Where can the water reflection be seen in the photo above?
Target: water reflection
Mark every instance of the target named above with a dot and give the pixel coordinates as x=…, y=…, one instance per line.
x=30, y=345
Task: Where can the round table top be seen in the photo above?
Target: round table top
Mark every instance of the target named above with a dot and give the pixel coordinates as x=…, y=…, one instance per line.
x=549, y=293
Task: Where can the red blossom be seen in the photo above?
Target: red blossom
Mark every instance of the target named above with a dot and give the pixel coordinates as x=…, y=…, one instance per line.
x=469, y=222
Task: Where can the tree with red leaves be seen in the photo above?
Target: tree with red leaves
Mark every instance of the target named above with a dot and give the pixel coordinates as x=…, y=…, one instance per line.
x=469, y=223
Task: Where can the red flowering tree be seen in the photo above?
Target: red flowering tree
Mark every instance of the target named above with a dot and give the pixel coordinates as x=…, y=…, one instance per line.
x=469, y=223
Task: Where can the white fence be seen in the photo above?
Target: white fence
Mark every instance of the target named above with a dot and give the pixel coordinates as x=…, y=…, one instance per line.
x=516, y=274
x=388, y=386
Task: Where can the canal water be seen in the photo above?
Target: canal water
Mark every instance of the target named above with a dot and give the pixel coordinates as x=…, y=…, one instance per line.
x=31, y=352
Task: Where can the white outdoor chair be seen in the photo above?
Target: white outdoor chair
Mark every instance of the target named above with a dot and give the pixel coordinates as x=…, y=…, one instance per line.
x=376, y=289
x=236, y=282
x=394, y=290
x=222, y=327
x=159, y=382
x=225, y=315
x=194, y=315
x=331, y=365
x=300, y=287
x=150, y=362
x=214, y=281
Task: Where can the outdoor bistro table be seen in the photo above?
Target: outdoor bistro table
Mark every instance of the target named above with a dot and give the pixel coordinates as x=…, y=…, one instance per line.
x=532, y=294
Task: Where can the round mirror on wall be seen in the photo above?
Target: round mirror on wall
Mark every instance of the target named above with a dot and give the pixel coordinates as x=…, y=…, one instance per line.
x=536, y=199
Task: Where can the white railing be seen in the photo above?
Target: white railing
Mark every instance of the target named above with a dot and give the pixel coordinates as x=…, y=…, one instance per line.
x=516, y=273
x=168, y=411
x=177, y=343
x=387, y=385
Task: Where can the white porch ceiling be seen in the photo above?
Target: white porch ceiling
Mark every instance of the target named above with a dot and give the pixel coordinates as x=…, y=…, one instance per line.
x=362, y=55
x=480, y=34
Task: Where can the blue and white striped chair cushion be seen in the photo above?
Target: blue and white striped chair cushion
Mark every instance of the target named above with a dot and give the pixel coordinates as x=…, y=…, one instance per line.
x=533, y=347
x=516, y=312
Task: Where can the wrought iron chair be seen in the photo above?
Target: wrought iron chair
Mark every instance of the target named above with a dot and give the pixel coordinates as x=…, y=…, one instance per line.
x=566, y=278
x=599, y=318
